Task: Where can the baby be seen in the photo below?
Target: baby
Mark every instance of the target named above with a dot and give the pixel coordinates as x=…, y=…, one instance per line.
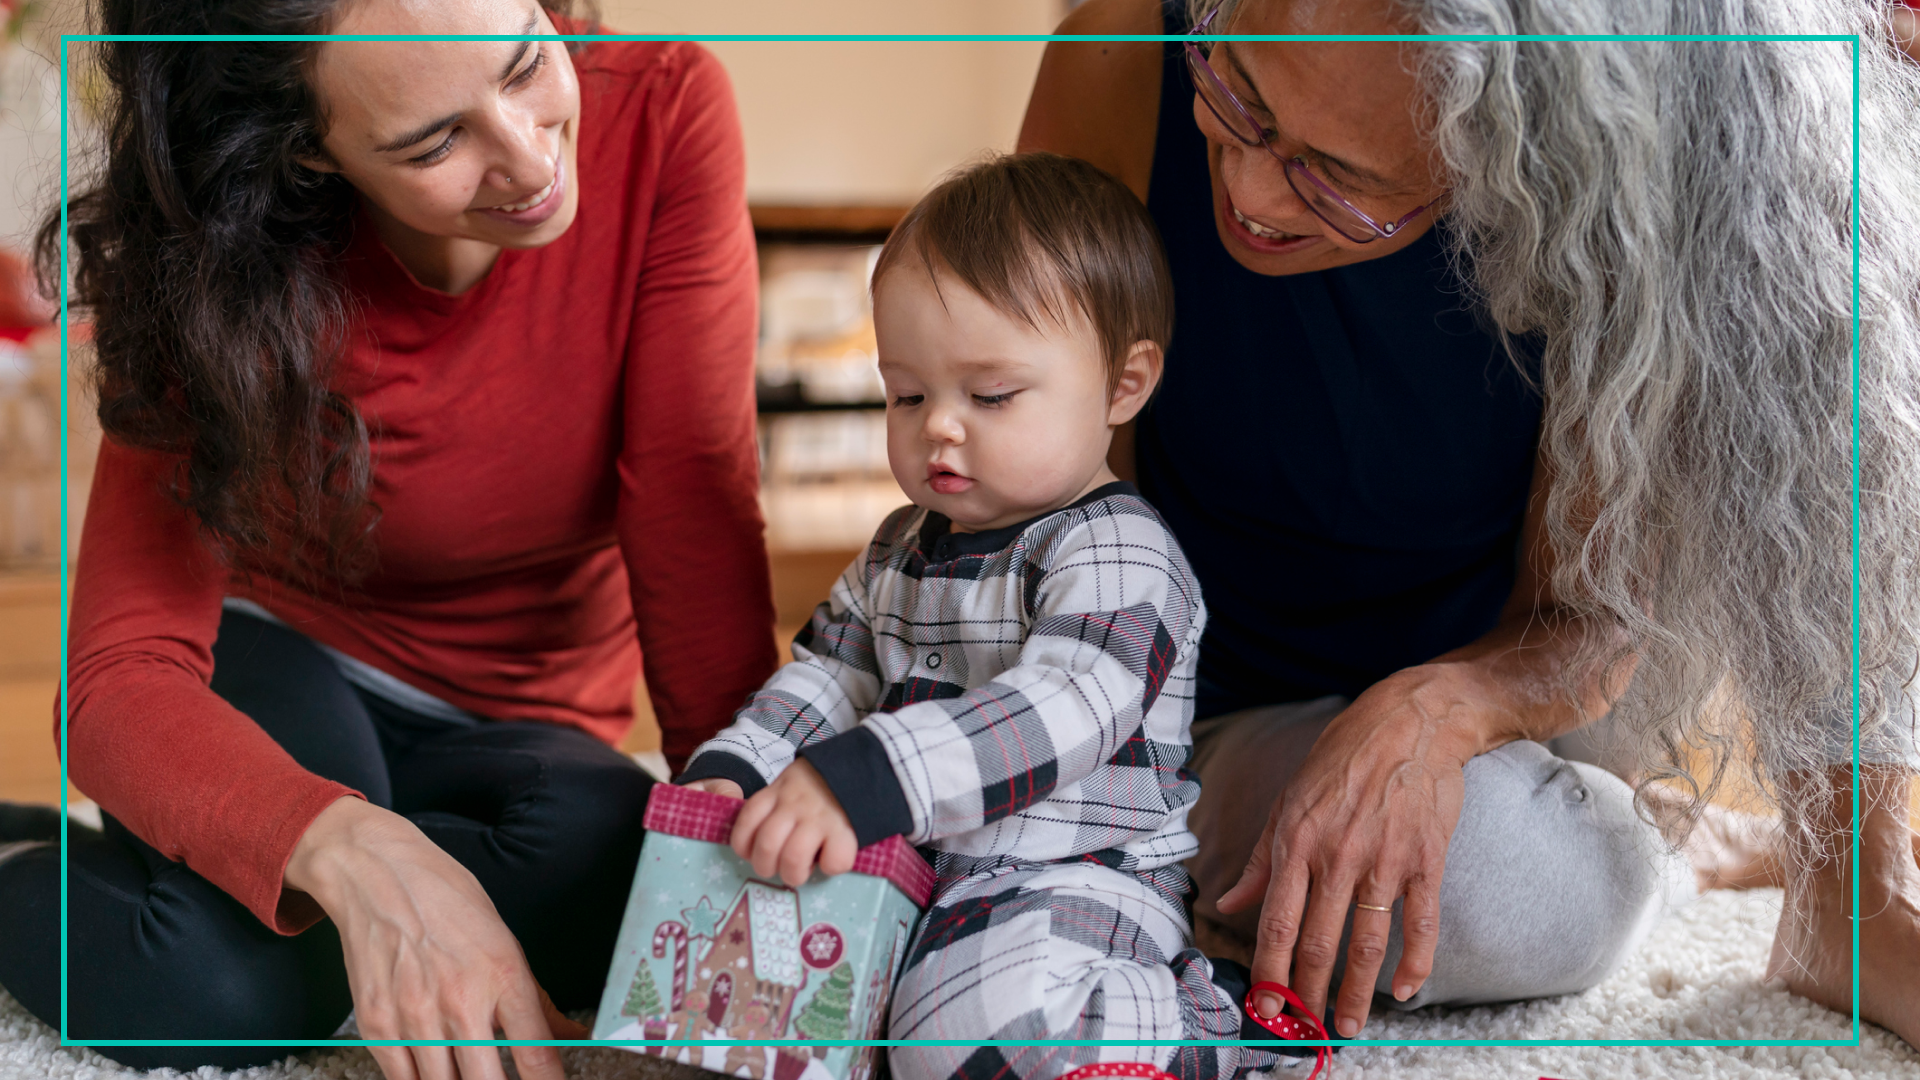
x=1006, y=676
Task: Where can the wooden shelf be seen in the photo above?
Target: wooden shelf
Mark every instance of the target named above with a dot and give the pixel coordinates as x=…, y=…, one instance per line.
x=775, y=406
x=825, y=224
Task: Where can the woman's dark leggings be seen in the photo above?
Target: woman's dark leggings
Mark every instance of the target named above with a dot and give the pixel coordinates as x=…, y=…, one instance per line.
x=548, y=819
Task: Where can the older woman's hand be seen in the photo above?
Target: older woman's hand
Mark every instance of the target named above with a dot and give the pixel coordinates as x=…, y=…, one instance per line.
x=427, y=955
x=1366, y=821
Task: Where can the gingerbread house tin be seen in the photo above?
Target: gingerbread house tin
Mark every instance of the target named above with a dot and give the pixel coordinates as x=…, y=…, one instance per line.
x=710, y=951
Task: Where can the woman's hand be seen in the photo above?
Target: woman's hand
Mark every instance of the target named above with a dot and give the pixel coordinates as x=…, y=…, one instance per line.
x=1365, y=821
x=427, y=955
x=790, y=823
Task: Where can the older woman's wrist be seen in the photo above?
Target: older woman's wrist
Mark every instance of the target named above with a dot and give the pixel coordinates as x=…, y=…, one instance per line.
x=1460, y=706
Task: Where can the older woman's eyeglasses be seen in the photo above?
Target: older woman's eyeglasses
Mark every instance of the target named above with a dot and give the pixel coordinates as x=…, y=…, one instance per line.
x=1327, y=204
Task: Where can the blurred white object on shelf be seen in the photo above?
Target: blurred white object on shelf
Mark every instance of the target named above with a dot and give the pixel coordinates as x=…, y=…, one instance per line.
x=826, y=485
x=837, y=516
x=816, y=323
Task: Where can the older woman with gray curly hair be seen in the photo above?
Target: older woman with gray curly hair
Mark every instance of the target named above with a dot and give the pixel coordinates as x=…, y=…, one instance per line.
x=1514, y=388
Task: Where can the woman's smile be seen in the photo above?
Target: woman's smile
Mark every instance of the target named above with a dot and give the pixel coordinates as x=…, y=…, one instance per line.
x=1259, y=237
x=537, y=208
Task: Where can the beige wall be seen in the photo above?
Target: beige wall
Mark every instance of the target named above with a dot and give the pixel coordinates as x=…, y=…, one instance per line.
x=830, y=123
x=847, y=122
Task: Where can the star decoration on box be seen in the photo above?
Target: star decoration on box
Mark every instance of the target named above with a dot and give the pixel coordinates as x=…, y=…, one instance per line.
x=703, y=919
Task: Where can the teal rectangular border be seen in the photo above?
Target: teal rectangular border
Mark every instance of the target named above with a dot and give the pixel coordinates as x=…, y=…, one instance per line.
x=64, y=537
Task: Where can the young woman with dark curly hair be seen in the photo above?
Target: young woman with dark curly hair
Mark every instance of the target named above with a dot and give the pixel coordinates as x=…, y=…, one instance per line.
x=426, y=372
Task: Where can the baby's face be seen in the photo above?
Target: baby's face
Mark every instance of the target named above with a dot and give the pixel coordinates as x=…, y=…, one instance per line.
x=989, y=421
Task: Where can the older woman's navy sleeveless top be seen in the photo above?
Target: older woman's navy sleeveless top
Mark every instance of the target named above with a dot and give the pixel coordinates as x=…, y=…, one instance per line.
x=1344, y=455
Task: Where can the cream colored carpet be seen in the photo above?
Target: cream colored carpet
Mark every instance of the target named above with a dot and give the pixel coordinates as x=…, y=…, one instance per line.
x=1698, y=977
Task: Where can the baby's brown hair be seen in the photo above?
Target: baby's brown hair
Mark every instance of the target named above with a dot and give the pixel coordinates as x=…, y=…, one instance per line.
x=1035, y=232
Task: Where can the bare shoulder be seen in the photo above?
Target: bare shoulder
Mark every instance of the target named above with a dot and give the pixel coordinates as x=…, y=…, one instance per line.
x=1100, y=100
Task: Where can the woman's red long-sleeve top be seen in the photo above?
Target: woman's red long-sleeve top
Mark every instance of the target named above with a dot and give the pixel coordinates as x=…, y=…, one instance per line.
x=566, y=472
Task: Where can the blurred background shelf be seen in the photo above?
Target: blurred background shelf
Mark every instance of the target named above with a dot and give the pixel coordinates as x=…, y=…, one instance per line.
x=776, y=223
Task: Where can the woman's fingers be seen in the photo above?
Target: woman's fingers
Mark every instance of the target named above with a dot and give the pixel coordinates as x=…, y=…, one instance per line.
x=483, y=1062
x=418, y=1016
x=479, y=1062
x=1366, y=951
x=396, y=1062
x=1318, y=950
x=562, y=1025
x=525, y=1013
x=1279, y=931
x=1253, y=882
x=1419, y=933
x=433, y=1062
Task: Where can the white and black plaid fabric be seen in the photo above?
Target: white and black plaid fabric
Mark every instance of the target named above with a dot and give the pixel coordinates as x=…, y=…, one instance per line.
x=1064, y=951
x=1019, y=703
x=1017, y=696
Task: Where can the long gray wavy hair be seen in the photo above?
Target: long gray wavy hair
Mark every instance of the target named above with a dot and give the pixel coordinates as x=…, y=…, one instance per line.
x=1675, y=220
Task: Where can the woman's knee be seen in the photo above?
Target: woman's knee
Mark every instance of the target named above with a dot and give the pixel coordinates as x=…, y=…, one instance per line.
x=166, y=956
x=1551, y=879
x=296, y=694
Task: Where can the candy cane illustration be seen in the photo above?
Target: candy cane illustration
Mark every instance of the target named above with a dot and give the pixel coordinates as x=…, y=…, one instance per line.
x=676, y=933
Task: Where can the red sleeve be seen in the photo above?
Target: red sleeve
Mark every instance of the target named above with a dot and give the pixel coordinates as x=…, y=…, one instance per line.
x=689, y=516
x=146, y=738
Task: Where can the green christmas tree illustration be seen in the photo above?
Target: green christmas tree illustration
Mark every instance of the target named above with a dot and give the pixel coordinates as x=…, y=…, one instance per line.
x=825, y=1017
x=644, y=999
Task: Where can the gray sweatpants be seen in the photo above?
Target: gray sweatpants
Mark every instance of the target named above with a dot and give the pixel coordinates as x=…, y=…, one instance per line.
x=1551, y=878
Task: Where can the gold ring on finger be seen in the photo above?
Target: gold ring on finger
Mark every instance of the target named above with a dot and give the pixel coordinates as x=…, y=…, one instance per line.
x=1373, y=907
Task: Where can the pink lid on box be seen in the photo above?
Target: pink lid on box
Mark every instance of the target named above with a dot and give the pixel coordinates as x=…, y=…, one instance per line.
x=702, y=815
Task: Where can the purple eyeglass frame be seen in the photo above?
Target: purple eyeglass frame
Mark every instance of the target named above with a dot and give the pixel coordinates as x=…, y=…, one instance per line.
x=1292, y=167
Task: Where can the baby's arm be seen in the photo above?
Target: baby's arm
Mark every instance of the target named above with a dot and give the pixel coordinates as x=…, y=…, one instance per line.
x=1115, y=608
x=791, y=818
x=830, y=684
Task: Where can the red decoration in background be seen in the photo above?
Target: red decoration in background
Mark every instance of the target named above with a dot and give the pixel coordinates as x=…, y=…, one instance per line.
x=21, y=305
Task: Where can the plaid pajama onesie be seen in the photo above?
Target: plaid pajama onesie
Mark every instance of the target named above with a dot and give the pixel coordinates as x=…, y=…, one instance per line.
x=1018, y=702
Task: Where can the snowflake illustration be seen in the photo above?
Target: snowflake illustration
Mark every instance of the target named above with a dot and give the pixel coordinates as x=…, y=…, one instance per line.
x=715, y=872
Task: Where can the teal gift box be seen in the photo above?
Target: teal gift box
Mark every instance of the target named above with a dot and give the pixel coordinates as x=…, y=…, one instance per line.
x=709, y=950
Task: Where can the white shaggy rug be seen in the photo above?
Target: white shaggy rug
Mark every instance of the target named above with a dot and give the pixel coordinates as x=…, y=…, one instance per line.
x=1698, y=977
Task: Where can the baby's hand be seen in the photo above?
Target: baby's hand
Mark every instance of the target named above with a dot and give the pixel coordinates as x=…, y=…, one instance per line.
x=717, y=786
x=790, y=823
